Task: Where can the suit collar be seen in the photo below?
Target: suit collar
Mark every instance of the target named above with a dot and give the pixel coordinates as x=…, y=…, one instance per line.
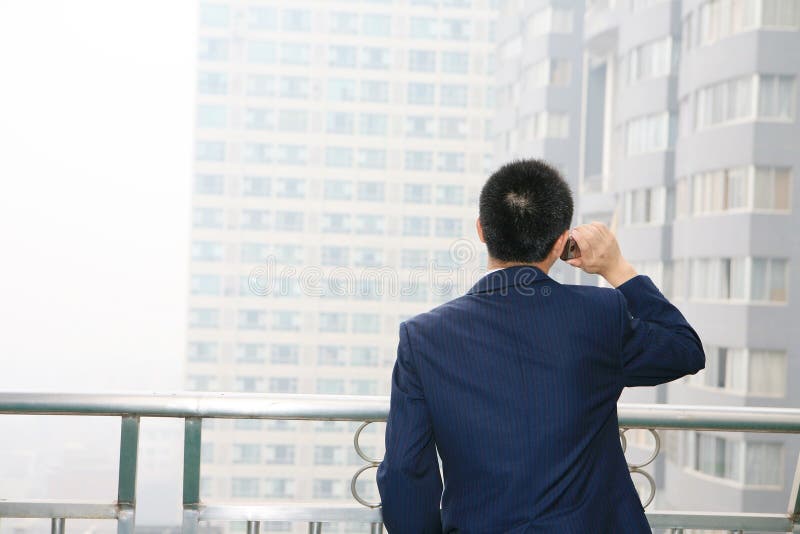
x=522, y=275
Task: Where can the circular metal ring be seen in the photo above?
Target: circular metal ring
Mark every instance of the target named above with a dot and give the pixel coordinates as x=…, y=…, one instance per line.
x=652, y=483
x=623, y=440
x=358, y=447
x=353, y=490
x=656, y=450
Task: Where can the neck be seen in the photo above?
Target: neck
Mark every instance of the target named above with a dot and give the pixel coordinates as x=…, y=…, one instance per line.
x=494, y=263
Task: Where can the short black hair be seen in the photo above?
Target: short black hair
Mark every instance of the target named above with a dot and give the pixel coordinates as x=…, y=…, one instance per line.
x=524, y=207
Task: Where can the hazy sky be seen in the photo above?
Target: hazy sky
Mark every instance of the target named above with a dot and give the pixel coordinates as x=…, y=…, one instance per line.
x=96, y=117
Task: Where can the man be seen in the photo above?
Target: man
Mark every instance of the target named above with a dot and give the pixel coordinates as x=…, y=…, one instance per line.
x=516, y=383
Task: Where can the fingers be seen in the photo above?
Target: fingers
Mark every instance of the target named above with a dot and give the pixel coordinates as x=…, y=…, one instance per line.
x=576, y=262
x=581, y=239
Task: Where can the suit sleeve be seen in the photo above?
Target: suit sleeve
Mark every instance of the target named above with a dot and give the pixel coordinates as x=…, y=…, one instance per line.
x=408, y=477
x=658, y=344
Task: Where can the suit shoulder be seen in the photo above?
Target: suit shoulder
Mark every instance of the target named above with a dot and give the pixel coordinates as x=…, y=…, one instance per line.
x=600, y=295
x=436, y=315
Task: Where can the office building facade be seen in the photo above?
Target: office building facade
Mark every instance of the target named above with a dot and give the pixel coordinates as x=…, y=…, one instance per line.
x=689, y=142
x=340, y=150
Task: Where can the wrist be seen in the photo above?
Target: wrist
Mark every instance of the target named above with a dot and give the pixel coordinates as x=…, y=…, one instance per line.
x=619, y=273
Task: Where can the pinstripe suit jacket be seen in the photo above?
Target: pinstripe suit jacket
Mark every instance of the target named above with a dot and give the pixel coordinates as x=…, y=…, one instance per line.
x=516, y=384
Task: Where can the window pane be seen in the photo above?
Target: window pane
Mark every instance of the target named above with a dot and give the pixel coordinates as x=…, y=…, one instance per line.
x=767, y=374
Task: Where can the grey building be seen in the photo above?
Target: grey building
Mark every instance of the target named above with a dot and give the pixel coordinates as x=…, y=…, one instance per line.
x=688, y=140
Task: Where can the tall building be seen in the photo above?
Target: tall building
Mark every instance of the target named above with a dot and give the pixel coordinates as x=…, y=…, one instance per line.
x=340, y=150
x=689, y=140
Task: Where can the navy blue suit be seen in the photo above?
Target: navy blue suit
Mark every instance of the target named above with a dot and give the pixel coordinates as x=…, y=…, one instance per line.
x=516, y=384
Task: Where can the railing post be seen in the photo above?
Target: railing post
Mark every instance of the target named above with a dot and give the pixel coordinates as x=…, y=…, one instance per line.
x=126, y=491
x=376, y=528
x=315, y=528
x=192, y=439
x=58, y=525
x=794, y=499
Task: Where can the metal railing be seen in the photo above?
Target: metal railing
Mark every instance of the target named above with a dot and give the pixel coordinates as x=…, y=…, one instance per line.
x=194, y=407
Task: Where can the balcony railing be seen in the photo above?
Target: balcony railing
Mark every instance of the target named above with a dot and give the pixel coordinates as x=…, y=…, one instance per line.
x=195, y=407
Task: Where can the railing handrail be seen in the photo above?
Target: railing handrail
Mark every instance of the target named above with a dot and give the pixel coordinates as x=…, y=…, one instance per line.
x=363, y=408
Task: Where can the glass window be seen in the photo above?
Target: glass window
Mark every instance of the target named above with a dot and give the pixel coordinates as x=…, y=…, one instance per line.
x=295, y=54
x=375, y=58
x=290, y=187
x=342, y=56
x=776, y=96
x=419, y=126
x=210, y=151
x=371, y=191
x=332, y=322
x=768, y=280
x=341, y=22
x=294, y=87
x=244, y=487
x=369, y=224
x=205, y=284
x=342, y=90
x=373, y=123
x=650, y=133
x=338, y=223
x=453, y=95
x=450, y=161
x=257, y=153
x=279, y=454
x=339, y=156
x=260, y=85
x=374, y=91
x=338, y=190
x=340, y=122
x=209, y=184
x=418, y=160
x=455, y=62
x=282, y=384
x=422, y=28
x=261, y=52
x=262, y=18
x=421, y=93
x=450, y=194
x=296, y=20
x=336, y=256
x=292, y=154
x=284, y=354
x=376, y=25
x=448, y=227
x=763, y=464
x=214, y=15
x=212, y=83
x=772, y=188
x=767, y=373
x=207, y=217
x=212, y=49
x=422, y=60
x=371, y=158
x=416, y=226
x=453, y=127
x=330, y=355
x=202, y=351
x=364, y=357
x=455, y=29
x=366, y=323
x=417, y=193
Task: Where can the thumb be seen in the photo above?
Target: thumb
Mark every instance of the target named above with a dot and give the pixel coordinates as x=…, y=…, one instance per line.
x=576, y=262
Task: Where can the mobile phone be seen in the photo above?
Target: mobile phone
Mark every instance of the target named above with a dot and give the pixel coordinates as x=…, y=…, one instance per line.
x=571, y=250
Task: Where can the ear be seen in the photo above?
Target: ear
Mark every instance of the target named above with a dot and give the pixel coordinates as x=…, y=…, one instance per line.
x=479, y=228
x=560, y=244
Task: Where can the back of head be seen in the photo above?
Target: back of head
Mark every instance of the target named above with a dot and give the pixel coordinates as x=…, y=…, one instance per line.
x=524, y=207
